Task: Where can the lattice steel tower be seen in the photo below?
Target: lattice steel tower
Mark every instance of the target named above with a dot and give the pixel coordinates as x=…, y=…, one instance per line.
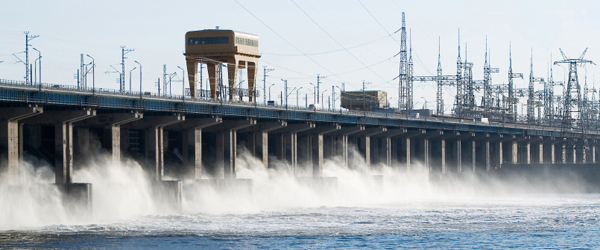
x=403, y=67
x=572, y=101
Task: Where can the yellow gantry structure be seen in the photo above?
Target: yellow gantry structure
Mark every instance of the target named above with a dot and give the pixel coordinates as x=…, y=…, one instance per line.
x=238, y=50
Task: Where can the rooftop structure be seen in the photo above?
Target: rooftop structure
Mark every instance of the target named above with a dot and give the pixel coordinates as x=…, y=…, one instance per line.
x=238, y=50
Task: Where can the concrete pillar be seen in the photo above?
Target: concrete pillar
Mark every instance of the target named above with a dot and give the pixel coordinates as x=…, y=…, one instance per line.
x=594, y=153
x=473, y=149
x=584, y=153
x=528, y=152
x=317, y=144
x=498, y=152
x=541, y=153
x=553, y=153
x=408, y=153
x=515, y=153
x=192, y=141
x=154, y=148
x=227, y=143
x=264, y=128
x=443, y=155
x=574, y=154
x=367, y=133
x=458, y=156
x=11, y=133
x=292, y=131
x=564, y=153
x=486, y=154
x=280, y=147
x=113, y=122
x=427, y=153
x=63, y=133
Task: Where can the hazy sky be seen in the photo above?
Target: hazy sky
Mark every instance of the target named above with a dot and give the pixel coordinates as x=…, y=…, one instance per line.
x=347, y=41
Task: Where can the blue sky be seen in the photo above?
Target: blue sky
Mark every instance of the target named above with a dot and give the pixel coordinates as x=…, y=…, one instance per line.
x=347, y=41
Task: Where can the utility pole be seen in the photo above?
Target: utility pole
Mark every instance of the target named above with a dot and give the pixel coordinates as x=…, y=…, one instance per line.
x=265, y=84
x=318, y=84
x=27, y=66
x=332, y=96
x=93, y=74
x=81, y=82
x=402, y=79
x=164, y=80
x=123, y=53
x=158, y=84
x=286, y=92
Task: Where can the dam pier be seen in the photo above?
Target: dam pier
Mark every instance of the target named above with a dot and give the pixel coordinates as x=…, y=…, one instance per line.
x=200, y=138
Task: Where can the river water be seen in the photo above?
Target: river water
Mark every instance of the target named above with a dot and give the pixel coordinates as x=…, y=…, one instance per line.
x=407, y=211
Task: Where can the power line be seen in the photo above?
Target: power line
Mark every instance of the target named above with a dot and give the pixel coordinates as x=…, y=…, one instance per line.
x=285, y=40
x=333, y=51
x=335, y=40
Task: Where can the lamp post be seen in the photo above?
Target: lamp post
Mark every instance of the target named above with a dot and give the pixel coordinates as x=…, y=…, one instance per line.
x=297, y=90
x=130, y=77
x=341, y=92
x=94, y=74
x=182, y=83
x=35, y=64
x=139, y=64
x=322, y=96
x=171, y=83
x=314, y=93
x=270, y=90
x=40, y=64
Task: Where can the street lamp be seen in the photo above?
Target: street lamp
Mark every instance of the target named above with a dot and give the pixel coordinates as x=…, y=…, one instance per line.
x=140, y=78
x=297, y=90
x=130, y=77
x=182, y=83
x=94, y=74
x=314, y=93
x=322, y=96
x=40, y=64
x=171, y=83
x=270, y=90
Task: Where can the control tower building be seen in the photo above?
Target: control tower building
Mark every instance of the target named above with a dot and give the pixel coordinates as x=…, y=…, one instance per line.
x=238, y=50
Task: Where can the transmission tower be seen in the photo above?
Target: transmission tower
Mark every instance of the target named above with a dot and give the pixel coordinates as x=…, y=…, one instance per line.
x=572, y=101
x=512, y=100
x=459, y=85
x=531, y=100
x=440, y=100
x=469, y=99
x=403, y=67
x=488, y=96
x=409, y=82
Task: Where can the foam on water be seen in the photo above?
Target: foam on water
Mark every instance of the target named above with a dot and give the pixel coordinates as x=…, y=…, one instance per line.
x=406, y=203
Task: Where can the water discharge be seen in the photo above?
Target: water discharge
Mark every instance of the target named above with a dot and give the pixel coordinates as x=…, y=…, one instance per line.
x=124, y=192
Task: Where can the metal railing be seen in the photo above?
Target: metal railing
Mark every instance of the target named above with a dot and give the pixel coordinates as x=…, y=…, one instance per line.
x=172, y=103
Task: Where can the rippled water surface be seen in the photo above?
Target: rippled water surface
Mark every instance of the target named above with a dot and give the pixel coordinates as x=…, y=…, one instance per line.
x=525, y=221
